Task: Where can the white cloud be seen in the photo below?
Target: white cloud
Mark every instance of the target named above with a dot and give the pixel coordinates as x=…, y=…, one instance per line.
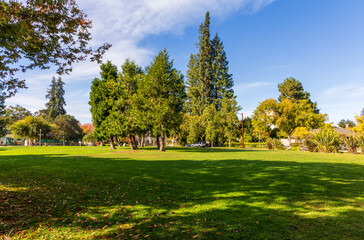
x=353, y=90
x=124, y=24
x=245, y=87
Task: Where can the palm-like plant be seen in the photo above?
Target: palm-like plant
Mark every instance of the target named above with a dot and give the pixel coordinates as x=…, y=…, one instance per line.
x=327, y=140
x=351, y=142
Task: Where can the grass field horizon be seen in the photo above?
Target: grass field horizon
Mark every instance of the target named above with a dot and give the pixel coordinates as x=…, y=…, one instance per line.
x=183, y=193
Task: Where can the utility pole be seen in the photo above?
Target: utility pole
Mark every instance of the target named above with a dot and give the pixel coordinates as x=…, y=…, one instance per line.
x=242, y=130
x=40, y=138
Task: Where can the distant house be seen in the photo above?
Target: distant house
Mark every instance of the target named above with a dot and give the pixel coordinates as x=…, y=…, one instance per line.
x=342, y=131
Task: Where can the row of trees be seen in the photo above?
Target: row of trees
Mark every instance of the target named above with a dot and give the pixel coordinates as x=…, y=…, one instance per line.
x=51, y=122
x=154, y=101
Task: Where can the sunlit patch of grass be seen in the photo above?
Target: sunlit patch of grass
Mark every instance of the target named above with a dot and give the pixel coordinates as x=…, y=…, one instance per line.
x=185, y=193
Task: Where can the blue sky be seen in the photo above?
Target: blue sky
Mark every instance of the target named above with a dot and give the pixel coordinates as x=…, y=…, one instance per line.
x=318, y=42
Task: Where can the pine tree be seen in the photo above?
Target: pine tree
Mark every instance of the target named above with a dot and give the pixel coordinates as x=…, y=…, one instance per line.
x=222, y=79
x=199, y=74
x=56, y=102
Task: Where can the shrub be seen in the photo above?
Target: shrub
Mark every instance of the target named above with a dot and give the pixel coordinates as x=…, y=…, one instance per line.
x=295, y=145
x=351, y=143
x=327, y=140
x=269, y=144
x=310, y=144
x=277, y=144
x=360, y=139
x=295, y=149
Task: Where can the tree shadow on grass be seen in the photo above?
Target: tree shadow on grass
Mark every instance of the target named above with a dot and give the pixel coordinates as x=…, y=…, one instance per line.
x=227, y=199
x=204, y=149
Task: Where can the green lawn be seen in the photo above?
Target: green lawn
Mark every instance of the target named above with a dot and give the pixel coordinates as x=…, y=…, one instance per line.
x=184, y=193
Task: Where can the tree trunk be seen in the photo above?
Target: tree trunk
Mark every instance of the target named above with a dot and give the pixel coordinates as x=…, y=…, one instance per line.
x=289, y=139
x=112, y=146
x=162, y=146
x=143, y=141
x=229, y=142
x=212, y=144
x=117, y=141
x=133, y=143
x=158, y=143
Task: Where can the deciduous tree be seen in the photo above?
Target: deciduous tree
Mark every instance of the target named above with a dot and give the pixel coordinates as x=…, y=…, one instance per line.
x=40, y=33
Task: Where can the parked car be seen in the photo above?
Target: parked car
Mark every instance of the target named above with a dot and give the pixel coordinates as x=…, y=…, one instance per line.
x=199, y=144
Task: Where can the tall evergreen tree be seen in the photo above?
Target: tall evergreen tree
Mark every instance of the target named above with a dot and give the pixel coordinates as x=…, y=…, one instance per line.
x=222, y=79
x=103, y=96
x=56, y=102
x=160, y=98
x=199, y=74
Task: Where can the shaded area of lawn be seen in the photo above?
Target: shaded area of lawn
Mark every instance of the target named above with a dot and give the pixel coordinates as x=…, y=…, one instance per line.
x=79, y=196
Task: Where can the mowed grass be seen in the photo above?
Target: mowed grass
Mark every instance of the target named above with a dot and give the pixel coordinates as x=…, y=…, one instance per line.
x=184, y=193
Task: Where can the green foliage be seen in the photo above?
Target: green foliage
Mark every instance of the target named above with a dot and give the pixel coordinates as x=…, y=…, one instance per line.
x=16, y=113
x=208, y=77
x=160, y=98
x=327, y=140
x=310, y=144
x=67, y=127
x=89, y=138
x=263, y=118
x=56, y=102
x=351, y=143
x=292, y=89
x=277, y=144
x=293, y=110
x=43, y=33
x=269, y=143
x=29, y=128
x=360, y=140
x=229, y=120
x=348, y=122
x=104, y=93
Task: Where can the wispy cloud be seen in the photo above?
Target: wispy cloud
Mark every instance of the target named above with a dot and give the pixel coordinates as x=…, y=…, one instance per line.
x=246, y=87
x=347, y=91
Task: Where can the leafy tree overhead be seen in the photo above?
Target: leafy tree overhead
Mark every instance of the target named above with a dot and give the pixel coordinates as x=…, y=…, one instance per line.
x=29, y=128
x=56, y=102
x=40, y=33
x=67, y=127
x=344, y=122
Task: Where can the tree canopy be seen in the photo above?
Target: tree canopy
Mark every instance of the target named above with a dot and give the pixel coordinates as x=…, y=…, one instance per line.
x=41, y=33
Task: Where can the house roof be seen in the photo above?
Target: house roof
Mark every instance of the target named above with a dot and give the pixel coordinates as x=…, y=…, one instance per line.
x=341, y=131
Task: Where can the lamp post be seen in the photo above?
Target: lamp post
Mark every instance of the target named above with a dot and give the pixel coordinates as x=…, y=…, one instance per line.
x=242, y=130
x=40, y=138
